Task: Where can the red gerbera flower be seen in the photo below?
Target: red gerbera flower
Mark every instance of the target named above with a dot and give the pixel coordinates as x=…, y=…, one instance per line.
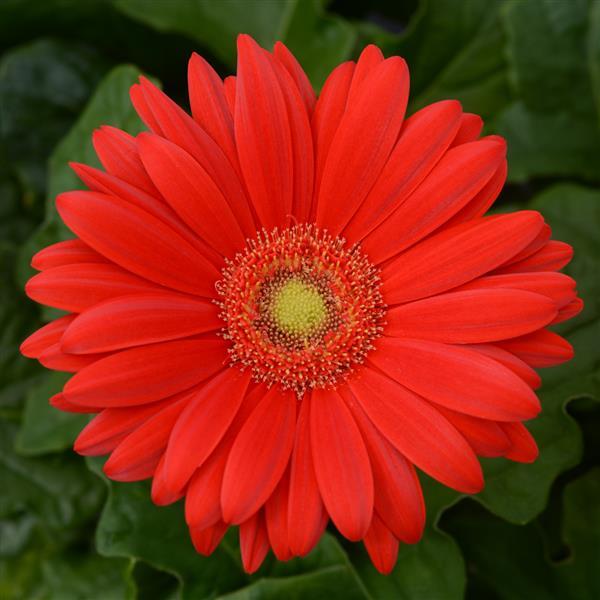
x=280, y=306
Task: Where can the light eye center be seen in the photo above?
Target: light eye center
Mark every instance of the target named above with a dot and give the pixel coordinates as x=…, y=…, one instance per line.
x=298, y=308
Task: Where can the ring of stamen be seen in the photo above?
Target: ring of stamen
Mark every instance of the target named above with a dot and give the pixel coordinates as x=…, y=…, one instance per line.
x=300, y=308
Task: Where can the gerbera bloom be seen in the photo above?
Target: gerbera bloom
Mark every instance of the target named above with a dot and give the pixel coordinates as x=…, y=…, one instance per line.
x=281, y=305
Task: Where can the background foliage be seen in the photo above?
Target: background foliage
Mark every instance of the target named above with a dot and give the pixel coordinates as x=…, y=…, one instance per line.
x=530, y=67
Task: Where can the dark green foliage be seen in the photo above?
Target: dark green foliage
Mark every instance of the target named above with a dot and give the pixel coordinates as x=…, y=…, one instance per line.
x=530, y=67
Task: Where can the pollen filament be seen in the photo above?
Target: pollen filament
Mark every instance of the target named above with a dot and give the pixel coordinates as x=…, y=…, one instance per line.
x=300, y=308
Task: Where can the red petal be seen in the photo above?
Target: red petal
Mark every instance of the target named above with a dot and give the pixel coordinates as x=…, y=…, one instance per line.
x=423, y=140
x=483, y=200
x=306, y=514
x=254, y=543
x=328, y=113
x=469, y=130
x=557, y=286
x=203, y=494
x=536, y=244
x=369, y=59
x=170, y=121
x=192, y=193
x=145, y=374
x=65, y=253
x=202, y=425
x=398, y=496
x=418, y=431
x=137, y=241
x=259, y=456
x=341, y=464
x=262, y=135
x=104, y=183
x=510, y=361
x=78, y=286
x=362, y=144
x=540, y=349
x=552, y=257
x=48, y=335
x=302, y=144
x=485, y=437
x=332, y=103
x=523, y=448
x=61, y=403
x=292, y=66
x=161, y=494
x=209, y=105
x=106, y=430
x=382, y=546
x=454, y=181
x=54, y=358
x=206, y=540
x=465, y=380
x=569, y=311
x=140, y=103
x=136, y=457
x=457, y=255
x=229, y=87
x=119, y=155
x=139, y=319
x=276, y=516
x=471, y=316
x=203, y=497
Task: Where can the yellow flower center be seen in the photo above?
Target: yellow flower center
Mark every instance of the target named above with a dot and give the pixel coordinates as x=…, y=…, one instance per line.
x=298, y=308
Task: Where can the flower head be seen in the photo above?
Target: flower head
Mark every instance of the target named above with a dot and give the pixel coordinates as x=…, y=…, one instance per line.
x=281, y=305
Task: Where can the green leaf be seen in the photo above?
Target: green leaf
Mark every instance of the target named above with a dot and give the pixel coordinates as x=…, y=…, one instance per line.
x=43, y=428
x=594, y=53
x=17, y=319
x=110, y=105
x=582, y=534
x=546, y=52
x=454, y=51
x=553, y=128
x=97, y=24
x=43, y=86
x=556, y=144
x=17, y=215
x=149, y=583
x=58, y=490
x=132, y=526
x=325, y=572
x=331, y=583
x=70, y=576
x=321, y=41
x=510, y=561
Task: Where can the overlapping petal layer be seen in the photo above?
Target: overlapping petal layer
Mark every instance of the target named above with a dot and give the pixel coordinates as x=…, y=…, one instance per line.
x=449, y=377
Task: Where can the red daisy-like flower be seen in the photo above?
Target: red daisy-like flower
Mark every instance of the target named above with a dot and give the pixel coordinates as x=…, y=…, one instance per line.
x=283, y=304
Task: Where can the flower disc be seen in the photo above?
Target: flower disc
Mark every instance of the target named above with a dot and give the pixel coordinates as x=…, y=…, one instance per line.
x=301, y=308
